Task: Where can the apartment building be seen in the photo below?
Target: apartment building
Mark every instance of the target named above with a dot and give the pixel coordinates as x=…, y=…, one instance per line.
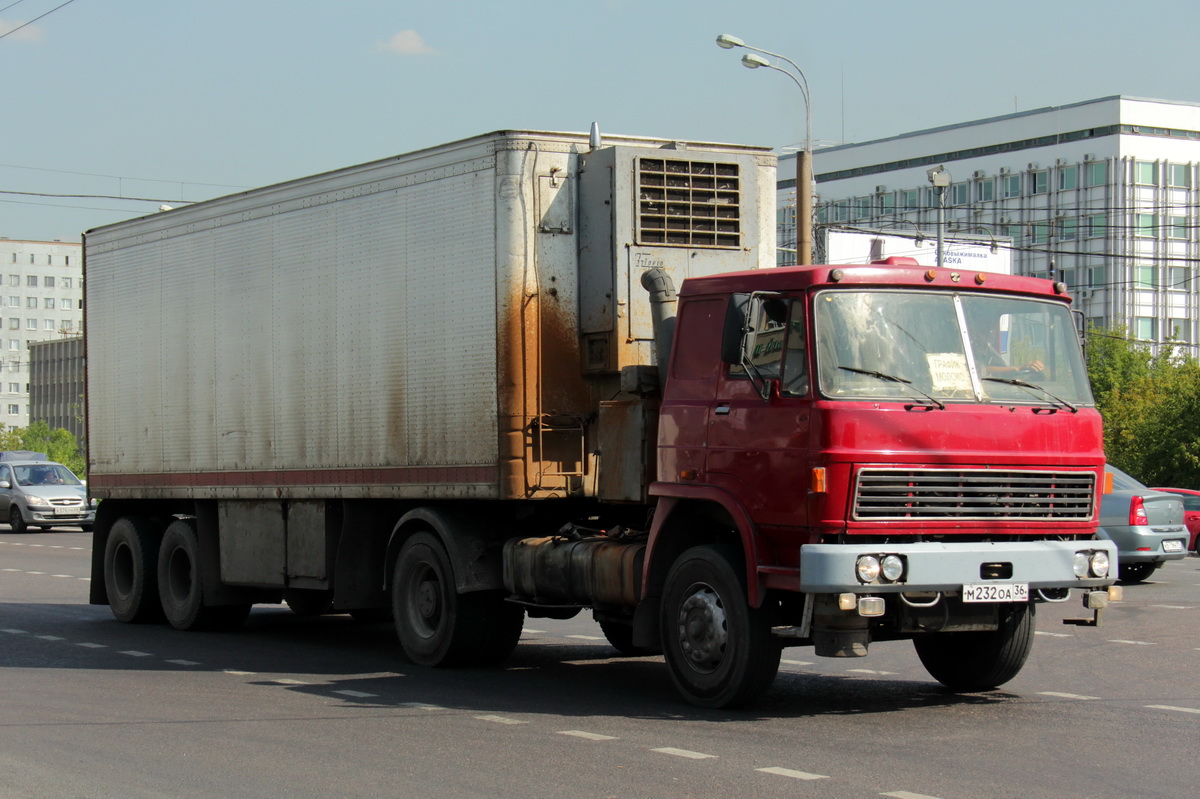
x=41, y=298
x=1103, y=194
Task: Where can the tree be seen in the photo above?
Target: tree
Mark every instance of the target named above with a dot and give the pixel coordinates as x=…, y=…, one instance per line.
x=59, y=444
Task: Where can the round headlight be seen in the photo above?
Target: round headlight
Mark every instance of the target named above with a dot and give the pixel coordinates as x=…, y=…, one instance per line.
x=892, y=568
x=1100, y=564
x=868, y=568
x=1082, y=564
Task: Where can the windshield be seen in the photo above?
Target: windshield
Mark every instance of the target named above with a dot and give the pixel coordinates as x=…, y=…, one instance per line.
x=973, y=348
x=45, y=474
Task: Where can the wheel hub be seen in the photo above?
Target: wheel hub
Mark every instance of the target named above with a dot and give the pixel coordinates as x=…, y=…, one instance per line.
x=427, y=599
x=703, y=631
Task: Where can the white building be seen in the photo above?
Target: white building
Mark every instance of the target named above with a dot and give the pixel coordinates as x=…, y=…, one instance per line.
x=1102, y=194
x=41, y=288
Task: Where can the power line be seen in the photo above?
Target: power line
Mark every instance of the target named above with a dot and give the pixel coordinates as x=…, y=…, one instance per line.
x=35, y=19
x=95, y=197
x=124, y=177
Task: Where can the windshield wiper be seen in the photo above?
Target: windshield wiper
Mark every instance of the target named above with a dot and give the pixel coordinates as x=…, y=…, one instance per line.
x=1014, y=382
x=892, y=378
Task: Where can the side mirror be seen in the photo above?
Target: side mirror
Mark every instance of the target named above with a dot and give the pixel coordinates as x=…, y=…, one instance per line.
x=5, y=484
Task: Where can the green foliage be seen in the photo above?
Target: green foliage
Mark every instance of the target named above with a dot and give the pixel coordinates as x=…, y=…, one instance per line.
x=58, y=444
x=1151, y=407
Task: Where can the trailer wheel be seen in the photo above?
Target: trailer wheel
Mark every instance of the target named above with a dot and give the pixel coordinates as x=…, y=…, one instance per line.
x=980, y=661
x=180, y=584
x=439, y=627
x=719, y=649
x=130, y=577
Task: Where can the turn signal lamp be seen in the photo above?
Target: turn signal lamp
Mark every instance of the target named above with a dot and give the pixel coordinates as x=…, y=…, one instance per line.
x=1108, y=483
x=818, y=480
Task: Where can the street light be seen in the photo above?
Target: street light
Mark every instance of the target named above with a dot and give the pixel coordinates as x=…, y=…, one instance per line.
x=804, y=178
x=939, y=178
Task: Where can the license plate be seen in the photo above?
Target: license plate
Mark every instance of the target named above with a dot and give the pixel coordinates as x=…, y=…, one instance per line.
x=67, y=511
x=996, y=592
x=1172, y=546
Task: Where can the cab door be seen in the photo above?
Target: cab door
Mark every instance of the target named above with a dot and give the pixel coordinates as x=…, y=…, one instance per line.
x=6, y=475
x=688, y=396
x=758, y=448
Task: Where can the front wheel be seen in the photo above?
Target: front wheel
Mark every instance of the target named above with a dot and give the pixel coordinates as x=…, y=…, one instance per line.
x=718, y=648
x=16, y=521
x=436, y=625
x=980, y=661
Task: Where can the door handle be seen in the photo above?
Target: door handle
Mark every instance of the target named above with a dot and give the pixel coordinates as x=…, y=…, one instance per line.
x=722, y=410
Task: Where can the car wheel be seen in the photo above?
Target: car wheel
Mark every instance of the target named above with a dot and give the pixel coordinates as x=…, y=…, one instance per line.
x=1135, y=572
x=16, y=521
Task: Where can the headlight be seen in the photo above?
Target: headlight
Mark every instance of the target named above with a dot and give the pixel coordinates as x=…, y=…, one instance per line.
x=1100, y=564
x=868, y=568
x=35, y=500
x=892, y=568
x=1082, y=564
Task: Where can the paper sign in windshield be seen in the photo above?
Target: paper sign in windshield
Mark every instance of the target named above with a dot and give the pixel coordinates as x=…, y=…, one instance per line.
x=948, y=371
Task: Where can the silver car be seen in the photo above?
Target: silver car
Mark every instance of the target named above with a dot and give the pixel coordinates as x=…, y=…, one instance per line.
x=35, y=492
x=1146, y=525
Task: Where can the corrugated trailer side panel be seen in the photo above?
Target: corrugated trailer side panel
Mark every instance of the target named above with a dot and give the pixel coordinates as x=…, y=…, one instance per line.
x=333, y=342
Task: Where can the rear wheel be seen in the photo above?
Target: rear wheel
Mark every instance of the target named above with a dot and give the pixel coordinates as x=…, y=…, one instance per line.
x=180, y=584
x=16, y=521
x=719, y=649
x=438, y=626
x=1136, y=572
x=980, y=661
x=130, y=575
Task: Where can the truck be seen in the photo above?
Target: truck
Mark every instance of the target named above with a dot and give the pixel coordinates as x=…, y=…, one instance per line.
x=529, y=374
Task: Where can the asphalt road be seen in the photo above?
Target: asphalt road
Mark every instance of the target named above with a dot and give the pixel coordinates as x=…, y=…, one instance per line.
x=326, y=707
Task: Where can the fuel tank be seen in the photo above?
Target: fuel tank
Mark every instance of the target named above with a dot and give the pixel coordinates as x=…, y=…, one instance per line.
x=558, y=570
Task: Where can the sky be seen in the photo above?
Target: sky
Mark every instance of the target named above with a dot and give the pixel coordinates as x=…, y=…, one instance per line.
x=168, y=101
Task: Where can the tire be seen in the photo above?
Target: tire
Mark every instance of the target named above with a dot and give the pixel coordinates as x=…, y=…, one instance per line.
x=719, y=649
x=621, y=638
x=87, y=528
x=439, y=627
x=181, y=587
x=308, y=601
x=130, y=572
x=16, y=521
x=980, y=661
x=1136, y=572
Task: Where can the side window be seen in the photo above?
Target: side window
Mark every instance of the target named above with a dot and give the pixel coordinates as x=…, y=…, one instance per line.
x=777, y=344
x=795, y=360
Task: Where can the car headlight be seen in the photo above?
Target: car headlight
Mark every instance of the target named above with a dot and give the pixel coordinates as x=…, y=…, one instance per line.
x=868, y=568
x=32, y=500
x=1082, y=565
x=892, y=568
x=1100, y=564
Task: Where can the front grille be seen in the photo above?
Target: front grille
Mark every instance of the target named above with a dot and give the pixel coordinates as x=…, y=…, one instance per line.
x=689, y=203
x=965, y=494
x=66, y=502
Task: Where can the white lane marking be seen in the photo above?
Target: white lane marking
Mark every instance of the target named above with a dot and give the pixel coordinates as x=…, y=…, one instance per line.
x=237, y=673
x=35, y=572
x=797, y=662
x=870, y=671
x=421, y=706
x=586, y=637
x=532, y=631
x=1065, y=696
x=670, y=750
x=1132, y=643
x=591, y=736
x=86, y=579
x=796, y=775
x=55, y=547
x=184, y=662
x=93, y=646
x=501, y=720
x=286, y=681
x=13, y=632
x=136, y=654
x=1173, y=607
x=1054, y=635
x=355, y=694
x=62, y=575
x=10, y=570
x=907, y=795
x=1176, y=709
x=50, y=637
x=37, y=545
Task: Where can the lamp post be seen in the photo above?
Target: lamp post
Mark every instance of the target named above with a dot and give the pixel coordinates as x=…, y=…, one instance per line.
x=804, y=176
x=939, y=178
